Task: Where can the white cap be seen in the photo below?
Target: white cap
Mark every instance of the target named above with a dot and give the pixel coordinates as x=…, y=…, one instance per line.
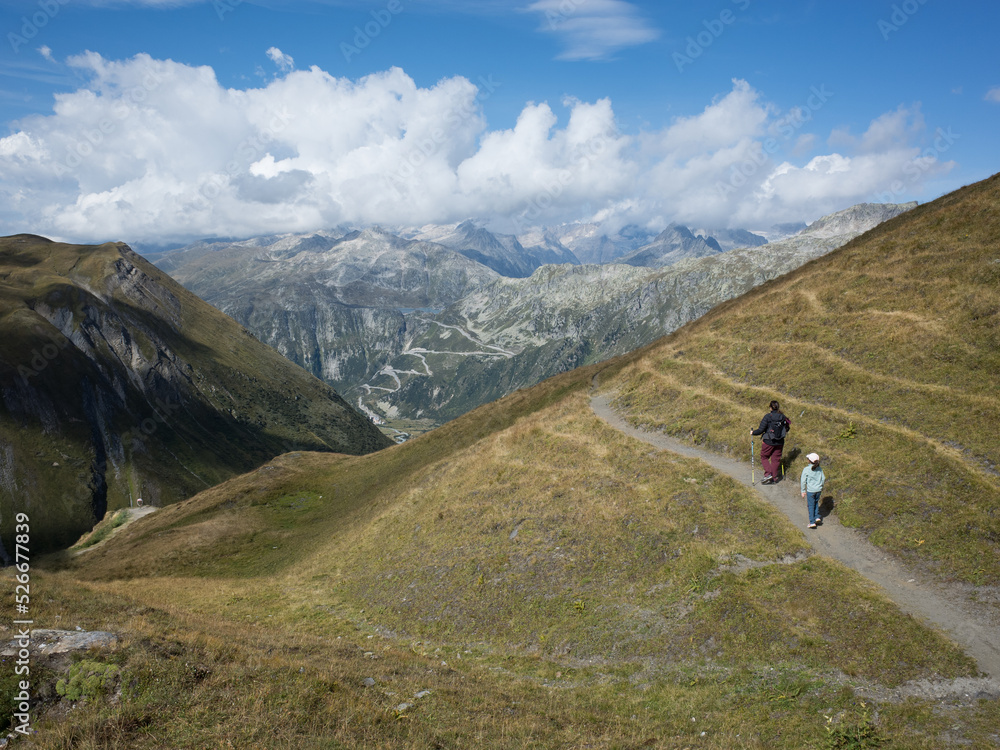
x=812, y=457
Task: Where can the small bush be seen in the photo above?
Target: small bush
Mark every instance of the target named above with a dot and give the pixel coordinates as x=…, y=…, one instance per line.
x=103, y=530
x=87, y=679
x=860, y=735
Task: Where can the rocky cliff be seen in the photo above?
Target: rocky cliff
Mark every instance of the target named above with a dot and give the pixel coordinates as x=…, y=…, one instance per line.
x=116, y=383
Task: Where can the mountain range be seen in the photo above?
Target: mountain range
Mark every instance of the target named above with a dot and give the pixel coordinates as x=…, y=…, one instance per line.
x=419, y=329
x=673, y=244
x=412, y=330
x=528, y=575
x=503, y=253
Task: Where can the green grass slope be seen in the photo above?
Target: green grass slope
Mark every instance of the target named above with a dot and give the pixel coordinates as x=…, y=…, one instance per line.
x=554, y=583
x=116, y=383
x=885, y=355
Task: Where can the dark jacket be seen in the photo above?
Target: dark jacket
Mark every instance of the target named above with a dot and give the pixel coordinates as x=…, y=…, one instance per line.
x=765, y=423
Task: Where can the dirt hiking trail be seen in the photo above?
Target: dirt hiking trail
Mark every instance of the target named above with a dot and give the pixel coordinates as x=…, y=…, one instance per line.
x=975, y=631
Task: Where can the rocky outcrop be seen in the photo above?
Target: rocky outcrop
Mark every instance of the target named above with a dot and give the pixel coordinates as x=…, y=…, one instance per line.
x=48, y=642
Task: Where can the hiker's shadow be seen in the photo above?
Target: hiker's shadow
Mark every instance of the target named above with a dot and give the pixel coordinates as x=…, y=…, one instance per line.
x=789, y=458
x=825, y=506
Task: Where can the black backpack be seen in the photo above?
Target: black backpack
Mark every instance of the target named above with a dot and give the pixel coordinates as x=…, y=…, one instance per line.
x=777, y=428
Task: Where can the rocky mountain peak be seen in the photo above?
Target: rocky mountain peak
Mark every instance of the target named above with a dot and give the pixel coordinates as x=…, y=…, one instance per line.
x=673, y=244
x=857, y=218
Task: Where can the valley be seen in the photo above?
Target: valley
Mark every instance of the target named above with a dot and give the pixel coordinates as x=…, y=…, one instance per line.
x=528, y=575
x=385, y=376
x=507, y=325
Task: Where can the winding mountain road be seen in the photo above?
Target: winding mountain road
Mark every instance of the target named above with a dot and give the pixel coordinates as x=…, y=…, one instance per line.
x=974, y=629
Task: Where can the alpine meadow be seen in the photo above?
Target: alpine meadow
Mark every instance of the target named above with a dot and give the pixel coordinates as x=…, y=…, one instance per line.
x=526, y=575
x=507, y=375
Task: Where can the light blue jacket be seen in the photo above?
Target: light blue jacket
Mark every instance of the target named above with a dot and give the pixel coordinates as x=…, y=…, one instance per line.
x=812, y=481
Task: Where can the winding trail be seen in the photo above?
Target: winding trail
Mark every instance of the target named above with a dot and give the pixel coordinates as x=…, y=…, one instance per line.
x=975, y=631
x=422, y=353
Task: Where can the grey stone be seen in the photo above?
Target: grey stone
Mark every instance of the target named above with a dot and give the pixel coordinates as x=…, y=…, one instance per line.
x=63, y=641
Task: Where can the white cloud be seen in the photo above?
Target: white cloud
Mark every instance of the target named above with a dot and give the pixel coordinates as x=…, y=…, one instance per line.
x=725, y=122
x=284, y=62
x=886, y=165
x=593, y=29
x=154, y=150
x=46, y=52
x=885, y=132
x=993, y=95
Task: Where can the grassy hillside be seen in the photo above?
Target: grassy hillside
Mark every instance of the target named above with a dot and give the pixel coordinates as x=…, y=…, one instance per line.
x=622, y=607
x=554, y=583
x=885, y=355
x=117, y=383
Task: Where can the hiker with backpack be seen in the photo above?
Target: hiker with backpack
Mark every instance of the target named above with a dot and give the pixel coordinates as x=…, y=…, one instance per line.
x=774, y=426
x=811, y=485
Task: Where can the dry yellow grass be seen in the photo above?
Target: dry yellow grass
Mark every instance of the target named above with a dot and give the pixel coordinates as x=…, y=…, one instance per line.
x=554, y=583
x=609, y=618
x=886, y=357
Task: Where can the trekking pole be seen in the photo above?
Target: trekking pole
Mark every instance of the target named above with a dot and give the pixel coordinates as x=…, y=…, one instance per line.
x=753, y=480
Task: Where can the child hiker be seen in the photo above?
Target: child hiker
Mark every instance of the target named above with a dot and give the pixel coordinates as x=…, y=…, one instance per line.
x=812, y=487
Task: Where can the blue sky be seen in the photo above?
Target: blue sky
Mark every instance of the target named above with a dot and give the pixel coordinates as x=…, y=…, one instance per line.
x=162, y=121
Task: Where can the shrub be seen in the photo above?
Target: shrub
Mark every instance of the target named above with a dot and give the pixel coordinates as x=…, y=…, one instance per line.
x=87, y=679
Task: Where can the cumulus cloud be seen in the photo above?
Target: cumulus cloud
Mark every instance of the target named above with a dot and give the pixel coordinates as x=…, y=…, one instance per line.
x=46, y=52
x=156, y=151
x=885, y=132
x=993, y=95
x=593, y=29
x=284, y=62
